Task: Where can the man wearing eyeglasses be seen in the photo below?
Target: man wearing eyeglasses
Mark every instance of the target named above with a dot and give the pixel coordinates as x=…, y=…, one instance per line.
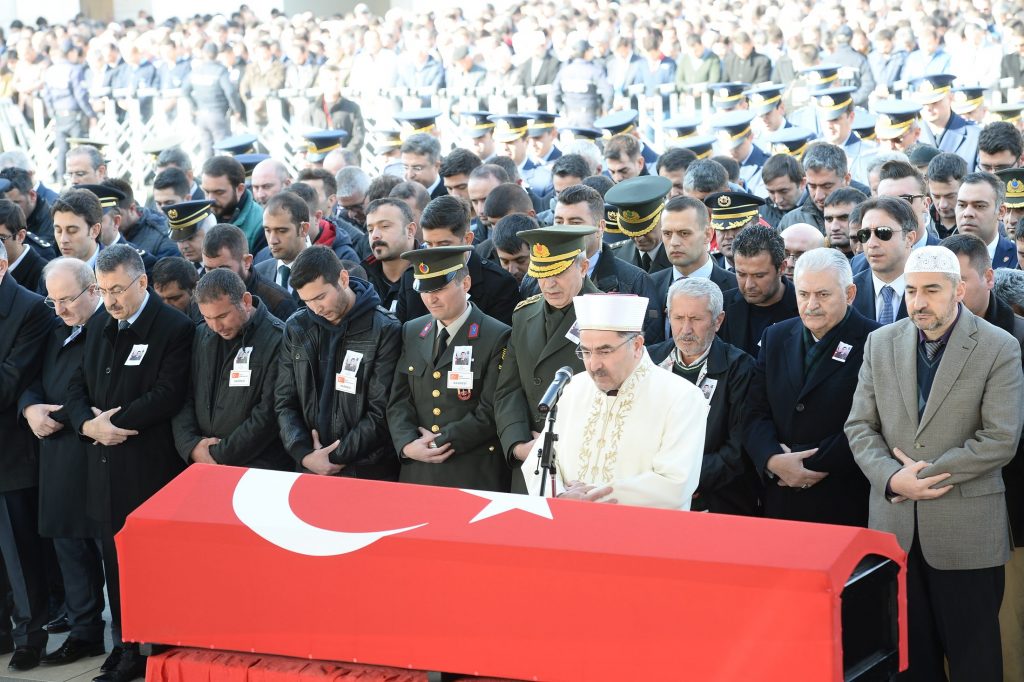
x=132, y=382
x=628, y=432
x=25, y=322
x=887, y=234
x=1000, y=147
x=979, y=210
x=64, y=458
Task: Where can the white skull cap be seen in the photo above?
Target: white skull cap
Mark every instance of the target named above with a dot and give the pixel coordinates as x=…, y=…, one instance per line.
x=933, y=259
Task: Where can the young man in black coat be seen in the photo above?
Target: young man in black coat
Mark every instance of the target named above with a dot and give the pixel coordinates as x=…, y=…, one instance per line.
x=121, y=400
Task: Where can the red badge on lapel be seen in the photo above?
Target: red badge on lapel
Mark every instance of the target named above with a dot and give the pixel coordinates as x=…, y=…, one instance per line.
x=474, y=331
x=465, y=394
x=426, y=330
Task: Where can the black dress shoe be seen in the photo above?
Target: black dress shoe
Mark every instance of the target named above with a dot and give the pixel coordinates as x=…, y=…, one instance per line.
x=58, y=625
x=112, y=659
x=72, y=650
x=132, y=666
x=24, y=658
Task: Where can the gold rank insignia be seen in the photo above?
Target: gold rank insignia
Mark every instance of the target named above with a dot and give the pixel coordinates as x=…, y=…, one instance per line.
x=960, y=97
x=926, y=87
x=541, y=251
x=629, y=216
x=173, y=214
x=724, y=201
x=826, y=101
x=884, y=120
x=1015, y=186
x=424, y=268
x=723, y=92
x=757, y=98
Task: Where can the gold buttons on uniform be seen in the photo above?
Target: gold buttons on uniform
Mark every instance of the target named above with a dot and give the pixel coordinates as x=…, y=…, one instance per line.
x=437, y=411
x=436, y=393
x=435, y=428
x=490, y=449
x=437, y=375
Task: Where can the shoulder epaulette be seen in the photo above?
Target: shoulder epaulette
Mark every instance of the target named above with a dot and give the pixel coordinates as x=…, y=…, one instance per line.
x=528, y=301
x=619, y=244
x=37, y=240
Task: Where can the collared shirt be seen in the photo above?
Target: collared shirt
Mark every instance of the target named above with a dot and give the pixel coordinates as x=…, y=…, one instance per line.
x=433, y=185
x=24, y=252
x=992, y=247
x=898, y=286
x=456, y=325
x=653, y=253
x=703, y=272
x=277, y=277
x=92, y=259
x=922, y=240
x=944, y=339
x=135, y=315
x=593, y=263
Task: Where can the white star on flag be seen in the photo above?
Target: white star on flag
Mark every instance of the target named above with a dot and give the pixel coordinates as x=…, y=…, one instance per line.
x=503, y=502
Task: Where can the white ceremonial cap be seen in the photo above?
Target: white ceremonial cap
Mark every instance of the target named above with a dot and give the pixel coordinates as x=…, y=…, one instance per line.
x=933, y=259
x=611, y=312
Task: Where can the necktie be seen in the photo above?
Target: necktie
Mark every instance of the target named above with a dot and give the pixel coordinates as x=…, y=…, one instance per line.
x=645, y=261
x=885, y=315
x=284, y=272
x=123, y=324
x=931, y=348
x=442, y=344
x=75, y=331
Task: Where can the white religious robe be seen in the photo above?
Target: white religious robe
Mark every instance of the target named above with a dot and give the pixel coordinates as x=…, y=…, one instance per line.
x=646, y=442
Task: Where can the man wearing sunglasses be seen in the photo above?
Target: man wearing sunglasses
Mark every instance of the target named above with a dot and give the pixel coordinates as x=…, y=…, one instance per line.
x=979, y=210
x=887, y=233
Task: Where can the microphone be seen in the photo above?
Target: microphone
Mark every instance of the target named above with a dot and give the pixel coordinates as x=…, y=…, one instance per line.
x=554, y=391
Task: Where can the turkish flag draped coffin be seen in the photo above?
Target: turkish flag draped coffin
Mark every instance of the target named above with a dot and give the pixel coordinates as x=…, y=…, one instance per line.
x=484, y=583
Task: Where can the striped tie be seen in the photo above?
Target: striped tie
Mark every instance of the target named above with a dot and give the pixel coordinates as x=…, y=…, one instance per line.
x=885, y=315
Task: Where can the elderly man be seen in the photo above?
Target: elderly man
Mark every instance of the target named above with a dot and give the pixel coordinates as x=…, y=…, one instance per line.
x=799, y=397
x=627, y=431
x=798, y=239
x=228, y=417
x=728, y=483
x=936, y=480
x=63, y=457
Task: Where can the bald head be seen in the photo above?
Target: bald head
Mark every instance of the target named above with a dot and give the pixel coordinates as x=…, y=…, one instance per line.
x=800, y=238
x=269, y=177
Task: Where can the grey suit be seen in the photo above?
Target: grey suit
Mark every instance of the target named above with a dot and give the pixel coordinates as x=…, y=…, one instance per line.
x=958, y=542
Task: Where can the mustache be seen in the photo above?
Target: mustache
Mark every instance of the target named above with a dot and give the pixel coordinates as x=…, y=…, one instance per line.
x=379, y=243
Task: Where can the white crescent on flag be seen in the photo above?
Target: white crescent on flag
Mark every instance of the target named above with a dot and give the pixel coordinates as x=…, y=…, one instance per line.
x=261, y=502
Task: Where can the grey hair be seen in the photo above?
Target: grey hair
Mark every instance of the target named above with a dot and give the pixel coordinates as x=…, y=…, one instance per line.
x=352, y=180
x=588, y=150
x=1010, y=286
x=698, y=287
x=78, y=269
x=95, y=158
x=825, y=156
x=706, y=176
x=117, y=255
x=882, y=158
x=16, y=158
x=825, y=260
x=423, y=144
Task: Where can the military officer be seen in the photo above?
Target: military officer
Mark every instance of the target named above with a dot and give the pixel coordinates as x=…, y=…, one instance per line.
x=188, y=222
x=729, y=96
x=864, y=124
x=896, y=128
x=625, y=123
x=969, y=102
x=835, y=111
x=791, y=141
x=510, y=134
x=441, y=411
x=544, y=337
x=639, y=202
x=944, y=128
x=736, y=139
x=1013, y=178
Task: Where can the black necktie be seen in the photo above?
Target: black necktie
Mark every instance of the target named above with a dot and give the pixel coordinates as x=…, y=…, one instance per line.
x=442, y=344
x=122, y=325
x=645, y=261
x=284, y=272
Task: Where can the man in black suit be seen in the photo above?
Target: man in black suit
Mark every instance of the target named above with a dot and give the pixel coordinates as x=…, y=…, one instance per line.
x=888, y=231
x=26, y=262
x=24, y=323
x=541, y=67
x=800, y=396
x=728, y=482
x=421, y=159
x=686, y=237
x=764, y=296
x=64, y=459
x=133, y=380
x=445, y=222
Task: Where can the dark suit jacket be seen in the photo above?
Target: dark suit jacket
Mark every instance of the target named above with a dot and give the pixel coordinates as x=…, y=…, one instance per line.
x=728, y=482
x=465, y=420
x=29, y=273
x=493, y=289
x=757, y=68
x=121, y=477
x=864, y=302
x=545, y=75
x=663, y=282
x=736, y=328
x=784, y=406
x=25, y=322
x=1005, y=255
x=627, y=251
x=1012, y=67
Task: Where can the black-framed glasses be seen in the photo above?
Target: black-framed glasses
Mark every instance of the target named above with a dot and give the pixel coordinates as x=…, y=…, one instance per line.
x=5, y=237
x=883, y=233
x=52, y=303
x=601, y=353
x=909, y=198
x=842, y=217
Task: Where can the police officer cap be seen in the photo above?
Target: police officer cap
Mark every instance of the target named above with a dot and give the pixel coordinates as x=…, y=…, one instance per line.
x=611, y=219
x=894, y=118
x=419, y=120
x=733, y=210
x=1008, y=113
x=554, y=248
x=764, y=98
x=701, y=145
x=249, y=161
x=822, y=76
x=184, y=218
x=680, y=127
x=584, y=133
x=618, y=122
x=481, y=125
x=509, y=127
x=933, y=87
x=791, y=141
x=832, y=103
x=967, y=98
x=540, y=122
x=156, y=145
x=640, y=201
x=726, y=96
x=434, y=268
x=108, y=196
x=237, y=144
x=732, y=128
x=1013, y=178
x=321, y=142
x=864, y=124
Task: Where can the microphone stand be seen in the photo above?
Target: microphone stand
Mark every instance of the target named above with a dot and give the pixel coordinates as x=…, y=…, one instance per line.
x=546, y=456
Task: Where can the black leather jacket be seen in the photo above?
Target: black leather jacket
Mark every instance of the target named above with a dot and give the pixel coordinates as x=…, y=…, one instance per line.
x=359, y=420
